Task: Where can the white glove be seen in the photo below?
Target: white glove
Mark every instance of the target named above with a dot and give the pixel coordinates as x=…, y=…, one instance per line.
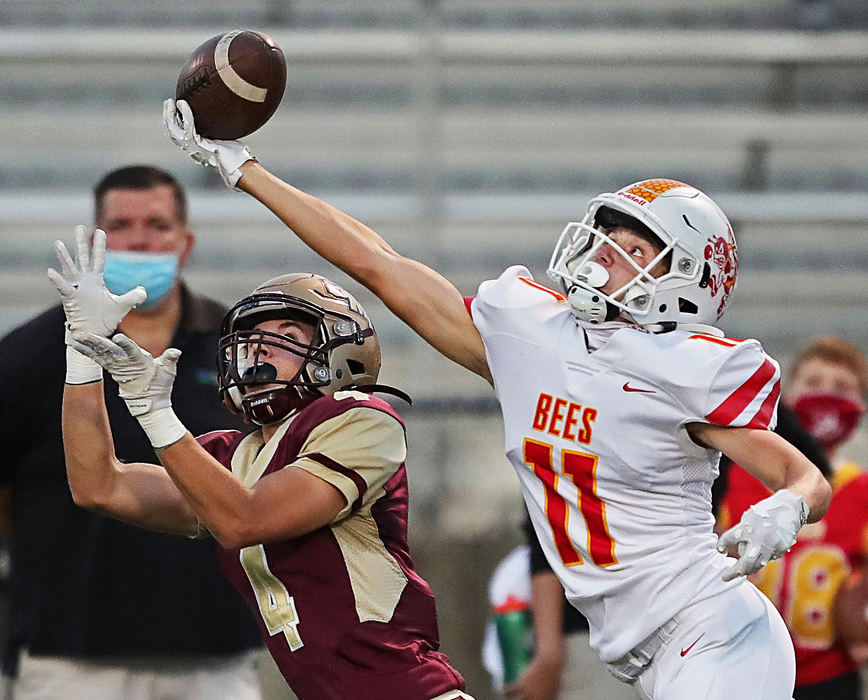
x=145, y=383
x=766, y=530
x=226, y=156
x=89, y=306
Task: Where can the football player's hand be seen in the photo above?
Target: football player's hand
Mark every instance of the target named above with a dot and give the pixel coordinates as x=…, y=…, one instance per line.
x=766, y=531
x=226, y=156
x=145, y=382
x=89, y=306
x=540, y=681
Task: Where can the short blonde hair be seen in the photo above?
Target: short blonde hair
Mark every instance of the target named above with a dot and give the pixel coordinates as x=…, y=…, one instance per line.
x=838, y=351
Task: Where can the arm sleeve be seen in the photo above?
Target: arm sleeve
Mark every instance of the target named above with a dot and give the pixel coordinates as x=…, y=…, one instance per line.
x=356, y=452
x=745, y=389
x=515, y=287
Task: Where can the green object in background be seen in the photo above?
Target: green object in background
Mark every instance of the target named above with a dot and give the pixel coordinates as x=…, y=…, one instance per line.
x=515, y=636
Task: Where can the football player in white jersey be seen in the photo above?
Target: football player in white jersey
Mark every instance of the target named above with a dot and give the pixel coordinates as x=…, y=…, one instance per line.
x=618, y=396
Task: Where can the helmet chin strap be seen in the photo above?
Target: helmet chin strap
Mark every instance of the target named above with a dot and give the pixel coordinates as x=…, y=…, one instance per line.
x=269, y=405
x=587, y=305
x=666, y=326
x=273, y=405
x=590, y=305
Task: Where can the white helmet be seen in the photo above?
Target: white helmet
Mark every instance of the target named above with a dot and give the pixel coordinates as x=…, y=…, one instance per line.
x=696, y=237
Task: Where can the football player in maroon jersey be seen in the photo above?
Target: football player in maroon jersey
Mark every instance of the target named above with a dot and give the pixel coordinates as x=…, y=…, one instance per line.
x=309, y=511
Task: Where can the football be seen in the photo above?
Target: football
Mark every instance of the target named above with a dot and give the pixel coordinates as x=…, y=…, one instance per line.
x=233, y=83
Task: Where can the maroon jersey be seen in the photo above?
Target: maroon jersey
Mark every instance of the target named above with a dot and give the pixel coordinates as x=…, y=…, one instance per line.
x=343, y=611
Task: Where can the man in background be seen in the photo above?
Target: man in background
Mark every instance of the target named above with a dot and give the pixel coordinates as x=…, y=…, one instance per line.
x=100, y=609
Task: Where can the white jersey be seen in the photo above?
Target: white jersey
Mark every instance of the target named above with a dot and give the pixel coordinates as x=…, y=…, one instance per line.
x=619, y=496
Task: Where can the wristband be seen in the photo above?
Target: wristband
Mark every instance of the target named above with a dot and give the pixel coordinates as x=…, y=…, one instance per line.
x=797, y=503
x=80, y=369
x=231, y=172
x=804, y=510
x=162, y=427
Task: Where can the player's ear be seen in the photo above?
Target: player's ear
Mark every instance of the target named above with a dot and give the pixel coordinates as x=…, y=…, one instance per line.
x=187, y=251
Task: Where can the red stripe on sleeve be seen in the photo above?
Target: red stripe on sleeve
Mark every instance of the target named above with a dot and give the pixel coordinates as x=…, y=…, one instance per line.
x=542, y=288
x=467, y=302
x=764, y=415
x=732, y=407
x=726, y=342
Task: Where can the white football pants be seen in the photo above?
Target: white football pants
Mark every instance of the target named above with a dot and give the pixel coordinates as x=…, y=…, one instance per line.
x=734, y=645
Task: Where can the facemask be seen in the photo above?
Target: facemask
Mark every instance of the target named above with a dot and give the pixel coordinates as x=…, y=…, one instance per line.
x=126, y=270
x=829, y=418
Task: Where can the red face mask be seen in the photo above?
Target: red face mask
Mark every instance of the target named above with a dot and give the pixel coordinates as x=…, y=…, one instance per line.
x=829, y=418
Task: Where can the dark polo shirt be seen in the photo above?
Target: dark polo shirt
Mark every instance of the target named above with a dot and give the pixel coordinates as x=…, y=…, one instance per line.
x=87, y=585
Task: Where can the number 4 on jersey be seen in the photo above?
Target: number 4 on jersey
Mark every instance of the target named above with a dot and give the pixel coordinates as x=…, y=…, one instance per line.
x=276, y=606
x=581, y=468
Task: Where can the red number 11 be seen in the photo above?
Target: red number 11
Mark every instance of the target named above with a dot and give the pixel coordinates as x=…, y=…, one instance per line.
x=581, y=468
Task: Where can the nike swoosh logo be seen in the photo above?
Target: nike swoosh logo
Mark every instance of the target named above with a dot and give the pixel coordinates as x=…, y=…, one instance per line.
x=684, y=652
x=627, y=387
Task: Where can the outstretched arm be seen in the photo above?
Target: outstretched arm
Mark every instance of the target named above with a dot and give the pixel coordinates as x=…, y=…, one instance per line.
x=279, y=506
x=139, y=493
x=419, y=296
x=142, y=494
x=193, y=488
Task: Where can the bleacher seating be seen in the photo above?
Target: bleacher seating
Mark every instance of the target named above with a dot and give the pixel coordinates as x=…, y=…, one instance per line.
x=453, y=13
x=467, y=146
x=467, y=132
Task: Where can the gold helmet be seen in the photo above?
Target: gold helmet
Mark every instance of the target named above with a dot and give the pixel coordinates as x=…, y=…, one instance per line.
x=344, y=352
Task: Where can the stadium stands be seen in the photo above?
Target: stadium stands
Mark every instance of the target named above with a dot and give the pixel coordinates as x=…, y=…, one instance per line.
x=378, y=14
x=467, y=132
x=457, y=132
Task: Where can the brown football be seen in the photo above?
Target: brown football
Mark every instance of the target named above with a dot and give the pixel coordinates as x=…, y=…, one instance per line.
x=233, y=83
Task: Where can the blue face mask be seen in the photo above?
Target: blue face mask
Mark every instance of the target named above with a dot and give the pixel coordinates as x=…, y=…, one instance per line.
x=126, y=270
